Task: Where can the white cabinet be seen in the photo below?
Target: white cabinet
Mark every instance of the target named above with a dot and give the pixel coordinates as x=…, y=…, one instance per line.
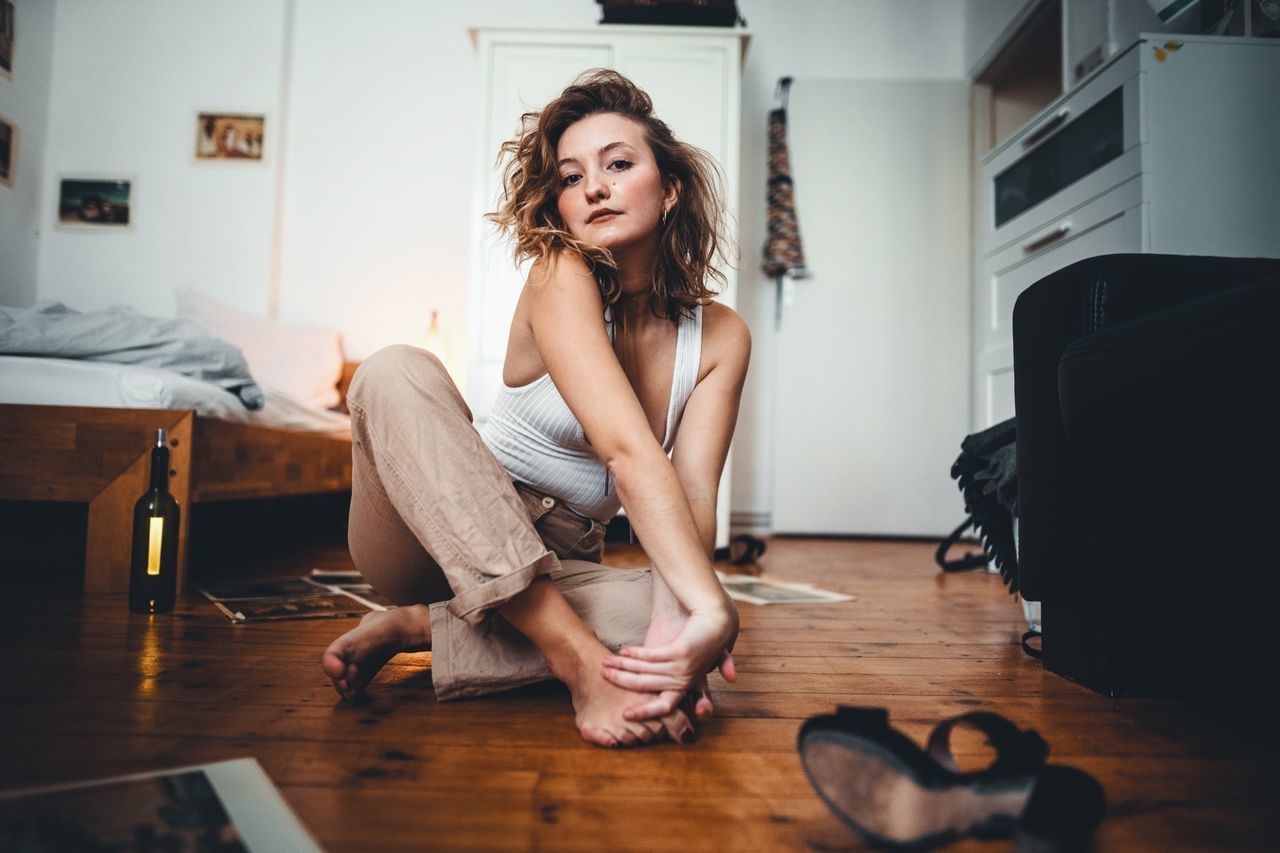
x=693, y=76
x=1170, y=148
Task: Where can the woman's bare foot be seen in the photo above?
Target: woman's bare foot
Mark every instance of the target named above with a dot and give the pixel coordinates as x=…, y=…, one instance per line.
x=663, y=628
x=599, y=708
x=354, y=659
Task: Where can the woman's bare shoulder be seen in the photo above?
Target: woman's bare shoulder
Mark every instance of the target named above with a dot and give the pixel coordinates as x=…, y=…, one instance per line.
x=562, y=270
x=725, y=337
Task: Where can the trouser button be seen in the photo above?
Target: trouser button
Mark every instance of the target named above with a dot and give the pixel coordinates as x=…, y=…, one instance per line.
x=548, y=502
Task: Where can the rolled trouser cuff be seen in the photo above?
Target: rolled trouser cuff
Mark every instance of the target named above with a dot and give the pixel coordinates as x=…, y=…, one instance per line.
x=473, y=604
x=469, y=660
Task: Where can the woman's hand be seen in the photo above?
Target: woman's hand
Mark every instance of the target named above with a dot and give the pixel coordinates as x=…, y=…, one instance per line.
x=678, y=667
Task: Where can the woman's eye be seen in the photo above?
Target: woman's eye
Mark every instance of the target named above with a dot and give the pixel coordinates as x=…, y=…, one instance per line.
x=570, y=180
x=621, y=164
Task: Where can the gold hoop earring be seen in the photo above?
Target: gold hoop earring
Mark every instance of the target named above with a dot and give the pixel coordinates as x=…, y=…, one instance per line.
x=664, y=215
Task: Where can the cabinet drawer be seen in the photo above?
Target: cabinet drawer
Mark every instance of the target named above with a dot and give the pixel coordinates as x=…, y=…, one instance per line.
x=1077, y=149
x=1108, y=225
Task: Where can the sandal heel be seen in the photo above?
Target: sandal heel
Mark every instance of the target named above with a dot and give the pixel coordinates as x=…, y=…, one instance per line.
x=1065, y=808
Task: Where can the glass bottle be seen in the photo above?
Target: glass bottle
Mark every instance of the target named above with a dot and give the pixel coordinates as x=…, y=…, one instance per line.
x=153, y=576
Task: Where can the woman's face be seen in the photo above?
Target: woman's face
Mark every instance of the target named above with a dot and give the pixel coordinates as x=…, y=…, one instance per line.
x=611, y=192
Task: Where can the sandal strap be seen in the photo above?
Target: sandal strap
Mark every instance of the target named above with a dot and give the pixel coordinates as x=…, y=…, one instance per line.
x=1031, y=650
x=969, y=561
x=1016, y=749
x=866, y=716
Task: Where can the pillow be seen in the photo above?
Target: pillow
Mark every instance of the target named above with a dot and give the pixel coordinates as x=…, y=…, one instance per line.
x=302, y=362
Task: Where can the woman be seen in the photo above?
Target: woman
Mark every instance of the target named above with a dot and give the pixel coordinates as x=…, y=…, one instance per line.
x=616, y=356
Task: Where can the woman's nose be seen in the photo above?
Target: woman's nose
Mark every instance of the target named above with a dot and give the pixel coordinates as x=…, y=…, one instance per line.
x=596, y=186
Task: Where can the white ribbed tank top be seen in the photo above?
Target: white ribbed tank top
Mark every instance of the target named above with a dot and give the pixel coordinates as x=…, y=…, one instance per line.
x=538, y=440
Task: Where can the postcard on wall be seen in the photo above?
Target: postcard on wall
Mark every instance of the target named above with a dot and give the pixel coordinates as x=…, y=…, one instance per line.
x=753, y=589
x=230, y=136
x=95, y=203
x=8, y=36
x=225, y=806
x=8, y=151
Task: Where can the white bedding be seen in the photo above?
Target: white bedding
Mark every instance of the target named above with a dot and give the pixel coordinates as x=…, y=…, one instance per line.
x=67, y=382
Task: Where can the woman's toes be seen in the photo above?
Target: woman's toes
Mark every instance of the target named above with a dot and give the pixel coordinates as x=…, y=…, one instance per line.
x=641, y=734
x=597, y=736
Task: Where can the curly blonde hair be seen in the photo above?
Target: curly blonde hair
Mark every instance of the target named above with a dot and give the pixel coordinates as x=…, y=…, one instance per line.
x=693, y=235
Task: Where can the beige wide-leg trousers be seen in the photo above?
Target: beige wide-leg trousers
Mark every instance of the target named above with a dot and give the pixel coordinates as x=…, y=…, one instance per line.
x=436, y=520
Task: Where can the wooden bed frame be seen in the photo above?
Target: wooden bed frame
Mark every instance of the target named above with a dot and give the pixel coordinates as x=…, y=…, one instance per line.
x=102, y=457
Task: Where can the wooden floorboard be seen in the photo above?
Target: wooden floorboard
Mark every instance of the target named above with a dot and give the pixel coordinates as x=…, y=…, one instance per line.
x=92, y=691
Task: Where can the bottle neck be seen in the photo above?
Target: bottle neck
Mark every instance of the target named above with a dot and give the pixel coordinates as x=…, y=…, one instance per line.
x=160, y=469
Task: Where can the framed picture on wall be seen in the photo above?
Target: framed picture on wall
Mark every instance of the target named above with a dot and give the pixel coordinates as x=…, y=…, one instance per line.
x=8, y=151
x=8, y=35
x=230, y=136
x=95, y=203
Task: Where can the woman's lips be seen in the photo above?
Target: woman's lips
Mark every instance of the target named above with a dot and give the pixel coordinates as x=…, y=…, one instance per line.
x=602, y=217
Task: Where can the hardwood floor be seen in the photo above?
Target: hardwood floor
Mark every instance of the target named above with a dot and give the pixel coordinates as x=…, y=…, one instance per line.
x=92, y=691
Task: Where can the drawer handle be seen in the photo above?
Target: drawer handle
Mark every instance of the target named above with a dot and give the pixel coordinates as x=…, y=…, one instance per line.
x=1049, y=239
x=1045, y=130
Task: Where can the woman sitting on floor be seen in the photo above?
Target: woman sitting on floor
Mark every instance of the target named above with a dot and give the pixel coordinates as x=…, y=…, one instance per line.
x=617, y=355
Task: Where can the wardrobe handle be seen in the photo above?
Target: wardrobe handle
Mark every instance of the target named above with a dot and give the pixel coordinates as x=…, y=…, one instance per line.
x=1045, y=130
x=1048, y=239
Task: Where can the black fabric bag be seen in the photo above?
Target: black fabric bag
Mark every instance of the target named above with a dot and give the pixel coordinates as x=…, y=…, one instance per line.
x=986, y=470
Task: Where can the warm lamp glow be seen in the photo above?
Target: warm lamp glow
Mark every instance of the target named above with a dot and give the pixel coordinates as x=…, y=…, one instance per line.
x=153, y=548
x=433, y=341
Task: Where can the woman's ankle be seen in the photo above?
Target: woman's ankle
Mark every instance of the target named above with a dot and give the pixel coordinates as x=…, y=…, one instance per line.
x=546, y=619
x=415, y=627
x=576, y=659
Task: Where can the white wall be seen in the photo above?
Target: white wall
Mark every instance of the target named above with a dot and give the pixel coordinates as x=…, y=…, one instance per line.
x=24, y=101
x=375, y=174
x=812, y=39
x=128, y=80
x=382, y=159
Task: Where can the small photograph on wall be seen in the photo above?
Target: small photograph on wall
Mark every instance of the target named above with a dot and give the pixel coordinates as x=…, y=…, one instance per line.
x=8, y=151
x=8, y=35
x=86, y=203
x=229, y=136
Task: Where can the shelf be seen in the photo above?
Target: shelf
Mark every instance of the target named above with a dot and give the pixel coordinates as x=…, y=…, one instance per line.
x=1026, y=76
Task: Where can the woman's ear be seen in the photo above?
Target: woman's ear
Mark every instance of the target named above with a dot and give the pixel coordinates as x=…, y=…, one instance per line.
x=671, y=194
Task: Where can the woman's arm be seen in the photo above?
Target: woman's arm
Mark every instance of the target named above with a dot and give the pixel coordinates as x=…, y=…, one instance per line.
x=564, y=311
x=707, y=425
x=701, y=448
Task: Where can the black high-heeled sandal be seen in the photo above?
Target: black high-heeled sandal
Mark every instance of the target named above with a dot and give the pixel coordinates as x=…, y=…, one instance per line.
x=742, y=550
x=894, y=794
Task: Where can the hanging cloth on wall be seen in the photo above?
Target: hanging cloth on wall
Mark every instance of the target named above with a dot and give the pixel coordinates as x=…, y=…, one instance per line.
x=783, y=253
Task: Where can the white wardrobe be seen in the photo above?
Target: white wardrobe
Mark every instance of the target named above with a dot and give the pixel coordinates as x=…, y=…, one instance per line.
x=693, y=76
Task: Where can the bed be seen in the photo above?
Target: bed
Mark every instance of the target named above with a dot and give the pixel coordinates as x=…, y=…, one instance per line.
x=80, y=431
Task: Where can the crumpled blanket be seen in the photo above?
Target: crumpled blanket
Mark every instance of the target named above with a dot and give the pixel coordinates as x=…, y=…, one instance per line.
x=120, y=334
